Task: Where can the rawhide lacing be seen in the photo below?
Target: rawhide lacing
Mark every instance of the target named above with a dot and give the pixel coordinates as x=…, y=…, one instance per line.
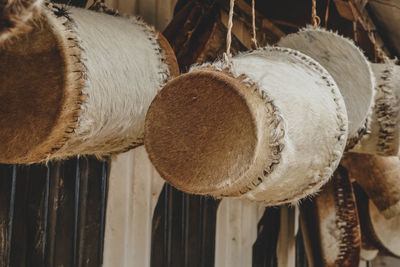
x=346, y=219
x=364, y=130
x=76, y=78
x=386, y=110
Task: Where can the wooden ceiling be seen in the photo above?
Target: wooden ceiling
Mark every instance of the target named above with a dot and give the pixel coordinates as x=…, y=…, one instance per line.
x=355, y=19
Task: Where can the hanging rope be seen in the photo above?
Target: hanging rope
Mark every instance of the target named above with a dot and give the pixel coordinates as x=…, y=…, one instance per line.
x=315, y=19
x=253, y=16
x=379, y=54
x=228, y=54
x=355, y=15
x=327, y=12
x=355, y=37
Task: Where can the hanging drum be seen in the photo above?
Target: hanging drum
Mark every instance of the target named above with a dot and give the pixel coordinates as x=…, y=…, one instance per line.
x=78, y=82
x=384, y=135
x=348, y=66
x=383, y=232
x=379, y=177
x=330, y=224
x=270, y=127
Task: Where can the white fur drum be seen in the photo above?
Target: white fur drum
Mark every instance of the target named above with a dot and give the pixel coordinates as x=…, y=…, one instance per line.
x=78, y=82
x=383, y=138
x=270, y=127
x=383, y=232
x=348, y=66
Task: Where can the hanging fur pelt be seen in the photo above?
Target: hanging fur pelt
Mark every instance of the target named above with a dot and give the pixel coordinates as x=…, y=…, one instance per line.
x=14, y=14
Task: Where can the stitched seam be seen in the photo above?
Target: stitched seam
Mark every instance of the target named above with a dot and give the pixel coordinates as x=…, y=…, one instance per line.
x=386, y=110
x=78, y=69
x=163, y=74
x=346, y=220
x=275, y=121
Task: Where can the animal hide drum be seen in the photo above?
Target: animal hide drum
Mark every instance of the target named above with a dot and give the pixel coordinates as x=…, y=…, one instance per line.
x=348, y=66
x=330, y=225
x=78, y=82
x=380, y=179
x=269, y=127
x=14, y=14
x=384, y=232
x=384, y=135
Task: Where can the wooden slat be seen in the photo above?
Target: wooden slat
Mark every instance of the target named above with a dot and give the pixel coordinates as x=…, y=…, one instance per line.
x=133, y=193
x=236, y=232
x=286, y=247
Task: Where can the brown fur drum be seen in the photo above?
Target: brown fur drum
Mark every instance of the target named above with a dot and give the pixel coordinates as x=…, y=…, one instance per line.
x=78, y=82
x=269, y=127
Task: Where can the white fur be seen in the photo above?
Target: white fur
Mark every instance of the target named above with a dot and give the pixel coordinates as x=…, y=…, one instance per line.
x=314, y=123
x=384, y=135
x=125, y=70
x=347, y=65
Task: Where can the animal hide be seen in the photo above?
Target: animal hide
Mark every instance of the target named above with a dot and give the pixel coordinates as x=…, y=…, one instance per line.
x=348, y=66
x=112, y=67
x=300, y=126
x=382, y=232
x=331, y=226
x=384, y=135
x=14, y=14
x=380, y=179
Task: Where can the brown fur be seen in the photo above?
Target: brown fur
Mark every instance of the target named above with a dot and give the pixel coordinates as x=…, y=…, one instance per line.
x=219, y=117
x=41, y=107
x=170, y=58
x=40, y=100
x=14, y=14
